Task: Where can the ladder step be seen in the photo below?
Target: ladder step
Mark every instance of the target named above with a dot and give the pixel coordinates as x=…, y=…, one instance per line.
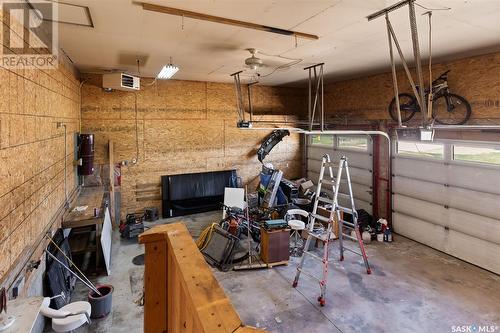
x=325, y=200
x=353, y=251
x=308, y=274
x=349, y=237
x=348, y=224
x=333, y=181
x=320, y=217
x=322, y=237
x=314, y=256
x=330, y=164
x=345, y=210
x=328, y=182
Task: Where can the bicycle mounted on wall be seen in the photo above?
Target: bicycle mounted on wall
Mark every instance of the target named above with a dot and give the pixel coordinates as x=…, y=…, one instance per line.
x=446, y=108
x=437, y=104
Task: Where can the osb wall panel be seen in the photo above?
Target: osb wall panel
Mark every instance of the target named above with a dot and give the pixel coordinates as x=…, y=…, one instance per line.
x=175, y=127
x=475, y=78
x=32, y=153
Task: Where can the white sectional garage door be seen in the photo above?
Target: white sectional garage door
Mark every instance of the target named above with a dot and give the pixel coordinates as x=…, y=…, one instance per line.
x=360, y=166
x=447, y=196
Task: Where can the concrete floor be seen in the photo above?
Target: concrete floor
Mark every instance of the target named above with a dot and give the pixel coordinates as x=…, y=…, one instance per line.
x=413, y=288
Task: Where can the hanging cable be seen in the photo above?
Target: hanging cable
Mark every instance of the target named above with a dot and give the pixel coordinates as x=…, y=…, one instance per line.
x=430, y=96
x=294, y=61
x=205, y=237
x=136, y=129
x=279, y=56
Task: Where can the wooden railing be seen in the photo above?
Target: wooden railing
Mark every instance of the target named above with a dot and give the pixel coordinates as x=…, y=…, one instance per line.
x=181, y=294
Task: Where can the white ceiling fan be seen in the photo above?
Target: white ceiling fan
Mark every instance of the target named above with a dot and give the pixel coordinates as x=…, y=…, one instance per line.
x=254, y=63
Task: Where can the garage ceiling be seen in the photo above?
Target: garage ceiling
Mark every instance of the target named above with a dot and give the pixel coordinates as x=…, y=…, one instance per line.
x=205, y=51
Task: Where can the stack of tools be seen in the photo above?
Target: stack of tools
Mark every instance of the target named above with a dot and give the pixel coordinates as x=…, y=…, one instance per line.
x=132, y=227
x=275, y=224
x=151, y=214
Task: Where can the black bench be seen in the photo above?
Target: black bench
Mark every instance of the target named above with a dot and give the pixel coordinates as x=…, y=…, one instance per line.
x=195, y=192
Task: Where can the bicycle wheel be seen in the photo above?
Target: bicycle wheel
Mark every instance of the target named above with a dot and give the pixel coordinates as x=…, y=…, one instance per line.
x=408, y=105
x=451, y=109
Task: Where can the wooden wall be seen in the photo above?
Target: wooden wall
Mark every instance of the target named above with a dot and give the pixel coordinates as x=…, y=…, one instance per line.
x=32, y=154
x=367, y=98
x=175, y=127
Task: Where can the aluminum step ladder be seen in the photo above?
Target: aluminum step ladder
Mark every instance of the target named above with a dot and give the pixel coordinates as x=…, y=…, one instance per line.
x=335, y=210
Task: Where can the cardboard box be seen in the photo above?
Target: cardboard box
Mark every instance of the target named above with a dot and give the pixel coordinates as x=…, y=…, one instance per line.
x=306, y=185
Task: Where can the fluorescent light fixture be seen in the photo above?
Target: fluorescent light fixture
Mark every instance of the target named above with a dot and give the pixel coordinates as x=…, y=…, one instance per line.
x=167, y=72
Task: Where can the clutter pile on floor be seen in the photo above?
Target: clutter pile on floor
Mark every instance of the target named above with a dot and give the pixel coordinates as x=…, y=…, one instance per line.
x=283, y=218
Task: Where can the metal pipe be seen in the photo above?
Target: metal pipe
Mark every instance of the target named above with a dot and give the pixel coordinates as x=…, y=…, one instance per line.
x=387, y=10
x=430, y=97
x=322, y=99
x=418, y=59
x=327, y=132
x=405, y=64
x=316, y=92
x=312, y=66
x=453, y=127
x=393, y=67
x=309, y=102
x=298, y=122
x=332, y=132
x=239, y=97
x=65, y=256
x=250, y=106
x=92, y=287
x=376, y=176
x=318, y=81
x=465, y=127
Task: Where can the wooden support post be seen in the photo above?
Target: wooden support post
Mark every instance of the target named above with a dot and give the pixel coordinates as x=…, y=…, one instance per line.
x=181, y=294
x=112, y=204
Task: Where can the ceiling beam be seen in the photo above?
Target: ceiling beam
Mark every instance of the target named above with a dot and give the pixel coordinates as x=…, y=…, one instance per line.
x=223, y=20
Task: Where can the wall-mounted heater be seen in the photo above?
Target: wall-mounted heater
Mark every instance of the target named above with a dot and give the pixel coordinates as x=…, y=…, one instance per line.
x=121, y=81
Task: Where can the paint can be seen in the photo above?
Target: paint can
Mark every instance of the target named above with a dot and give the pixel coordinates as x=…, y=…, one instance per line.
x=380, y=237
x=367, y=237
x=101, y=305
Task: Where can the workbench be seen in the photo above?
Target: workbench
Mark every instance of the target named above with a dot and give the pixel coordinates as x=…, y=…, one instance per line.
x=86, y=228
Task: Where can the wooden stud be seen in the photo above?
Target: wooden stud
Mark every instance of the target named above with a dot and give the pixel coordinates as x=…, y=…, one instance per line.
x=223, y=20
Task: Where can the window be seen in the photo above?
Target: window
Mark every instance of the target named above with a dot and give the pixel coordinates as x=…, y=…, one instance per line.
x=488, y=155
x=322, y=139
x=352, y=142
x=421, y=149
